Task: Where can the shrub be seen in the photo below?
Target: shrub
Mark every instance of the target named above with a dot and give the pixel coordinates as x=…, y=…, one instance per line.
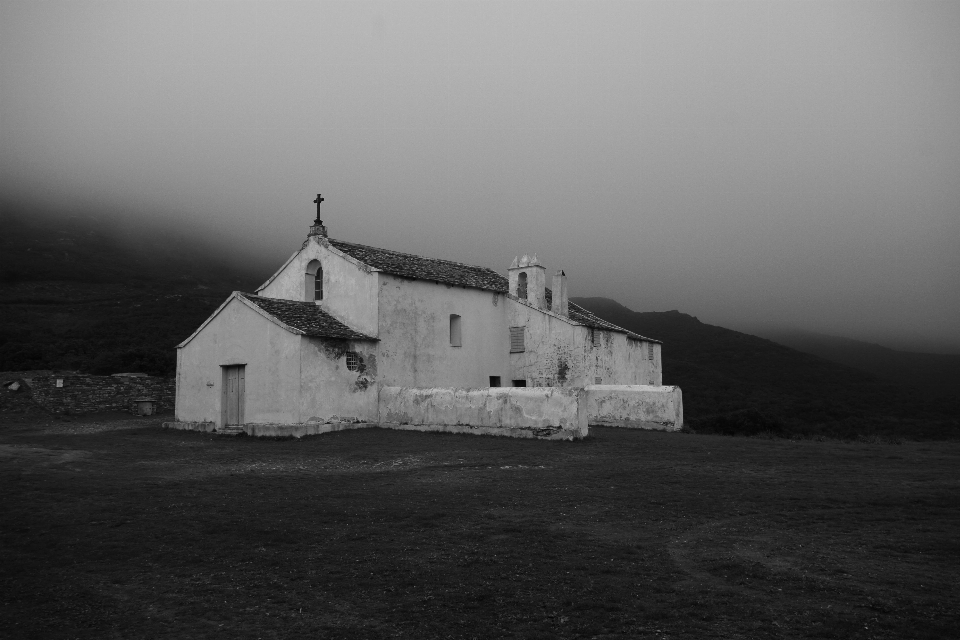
x=746, y=422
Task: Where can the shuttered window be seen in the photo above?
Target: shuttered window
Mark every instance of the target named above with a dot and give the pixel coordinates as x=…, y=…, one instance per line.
x=516, y=340
x=650, y=350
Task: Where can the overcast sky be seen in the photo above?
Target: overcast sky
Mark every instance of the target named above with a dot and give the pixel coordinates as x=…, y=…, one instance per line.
x=744, y=162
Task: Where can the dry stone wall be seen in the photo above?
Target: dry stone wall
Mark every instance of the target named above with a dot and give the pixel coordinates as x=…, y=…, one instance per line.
x=89, y=394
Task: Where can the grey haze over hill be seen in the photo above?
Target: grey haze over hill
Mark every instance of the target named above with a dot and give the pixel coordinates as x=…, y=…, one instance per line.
x=938, y=373
x=787, y=163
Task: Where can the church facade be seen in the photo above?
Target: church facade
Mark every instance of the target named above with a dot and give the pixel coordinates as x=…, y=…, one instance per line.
x=339, y=322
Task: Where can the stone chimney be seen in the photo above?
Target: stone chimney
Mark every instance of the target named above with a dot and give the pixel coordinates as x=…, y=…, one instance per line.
x=317, y=228
x=528, y=280
x=559, y=303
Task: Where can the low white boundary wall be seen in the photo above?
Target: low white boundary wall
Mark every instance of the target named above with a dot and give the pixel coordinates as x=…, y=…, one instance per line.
x=546, y=413
x=270, y=430
x=635, y=406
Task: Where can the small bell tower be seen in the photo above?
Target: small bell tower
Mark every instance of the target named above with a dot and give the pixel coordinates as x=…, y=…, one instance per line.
x=527, y=280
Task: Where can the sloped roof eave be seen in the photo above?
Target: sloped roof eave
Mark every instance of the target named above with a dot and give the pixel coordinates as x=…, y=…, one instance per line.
x=287, y=313
x=349, y=334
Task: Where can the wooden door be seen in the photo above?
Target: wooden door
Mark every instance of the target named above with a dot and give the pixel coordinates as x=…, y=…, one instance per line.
x=233, y=393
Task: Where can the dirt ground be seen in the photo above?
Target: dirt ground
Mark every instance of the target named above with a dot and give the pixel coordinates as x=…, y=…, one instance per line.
x=112, y=527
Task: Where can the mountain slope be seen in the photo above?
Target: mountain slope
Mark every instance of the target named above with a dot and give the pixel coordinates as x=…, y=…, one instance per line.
x=723, y=371
x=85, y=294
x=940, y=373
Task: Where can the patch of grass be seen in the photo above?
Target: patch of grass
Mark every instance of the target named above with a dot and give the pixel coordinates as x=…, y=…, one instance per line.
x=377, y=534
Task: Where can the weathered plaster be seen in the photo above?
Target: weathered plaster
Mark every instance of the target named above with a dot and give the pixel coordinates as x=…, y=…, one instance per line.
x=542, y=413
x=329, y=391
x=272, y=430
x=560, y=353
x=548, y=413
x=415, y=349
x=635, y=406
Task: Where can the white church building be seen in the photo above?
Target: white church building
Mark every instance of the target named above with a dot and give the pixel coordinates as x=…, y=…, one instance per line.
x=345, y=335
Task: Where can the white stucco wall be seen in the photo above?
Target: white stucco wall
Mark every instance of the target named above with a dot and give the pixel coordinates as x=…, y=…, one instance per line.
x=329, y=391
x=414, y=333
x=559, y=353
x=547, y=413
x=635, y=406
x=349, y=289
x=289, y=378
x=240, y=335
x=553, y=348
x=620, y=360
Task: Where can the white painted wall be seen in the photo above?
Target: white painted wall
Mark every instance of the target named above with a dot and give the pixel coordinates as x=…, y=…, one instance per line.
x=290, y=379
x=554, y=348
x=349, y=288
x=240, y=335
x=414, y=333
x=561, y=354
x=530, y=413
x=636, y=406
x=329, y=391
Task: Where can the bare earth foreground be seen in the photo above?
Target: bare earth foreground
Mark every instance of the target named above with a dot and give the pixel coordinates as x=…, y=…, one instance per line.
x=117, y=528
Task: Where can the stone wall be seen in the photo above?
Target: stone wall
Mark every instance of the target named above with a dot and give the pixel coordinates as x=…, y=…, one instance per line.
x=534, y=412
x=635, y=406
x=88, y=394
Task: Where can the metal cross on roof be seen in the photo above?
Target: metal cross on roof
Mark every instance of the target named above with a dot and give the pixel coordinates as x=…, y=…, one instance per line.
x=318, y=201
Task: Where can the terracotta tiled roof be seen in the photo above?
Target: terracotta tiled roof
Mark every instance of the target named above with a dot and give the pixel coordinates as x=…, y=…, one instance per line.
x=457, y=273
x=306, y=317
x=581, y=316
x=420, y=268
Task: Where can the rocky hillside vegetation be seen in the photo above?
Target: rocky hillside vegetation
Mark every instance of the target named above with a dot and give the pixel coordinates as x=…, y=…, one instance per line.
x=87, y=294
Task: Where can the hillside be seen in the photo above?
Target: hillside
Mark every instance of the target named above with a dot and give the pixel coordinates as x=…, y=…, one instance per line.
x=89, y=294
x=939, y=373
x=723, y=372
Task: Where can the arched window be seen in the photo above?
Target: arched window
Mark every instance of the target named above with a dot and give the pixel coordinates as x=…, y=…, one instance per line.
x=522, y=286
x=313, y=282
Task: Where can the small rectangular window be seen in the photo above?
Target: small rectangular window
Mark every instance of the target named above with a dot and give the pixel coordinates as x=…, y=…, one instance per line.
x=597, y=380
x=596, y=337
x=650, y=350
x=516, y=340
x=455, y=331
x=494, y=381
x=519, y=383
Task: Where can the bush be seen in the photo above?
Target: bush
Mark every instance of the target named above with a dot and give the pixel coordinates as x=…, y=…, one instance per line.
x=746, y=422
